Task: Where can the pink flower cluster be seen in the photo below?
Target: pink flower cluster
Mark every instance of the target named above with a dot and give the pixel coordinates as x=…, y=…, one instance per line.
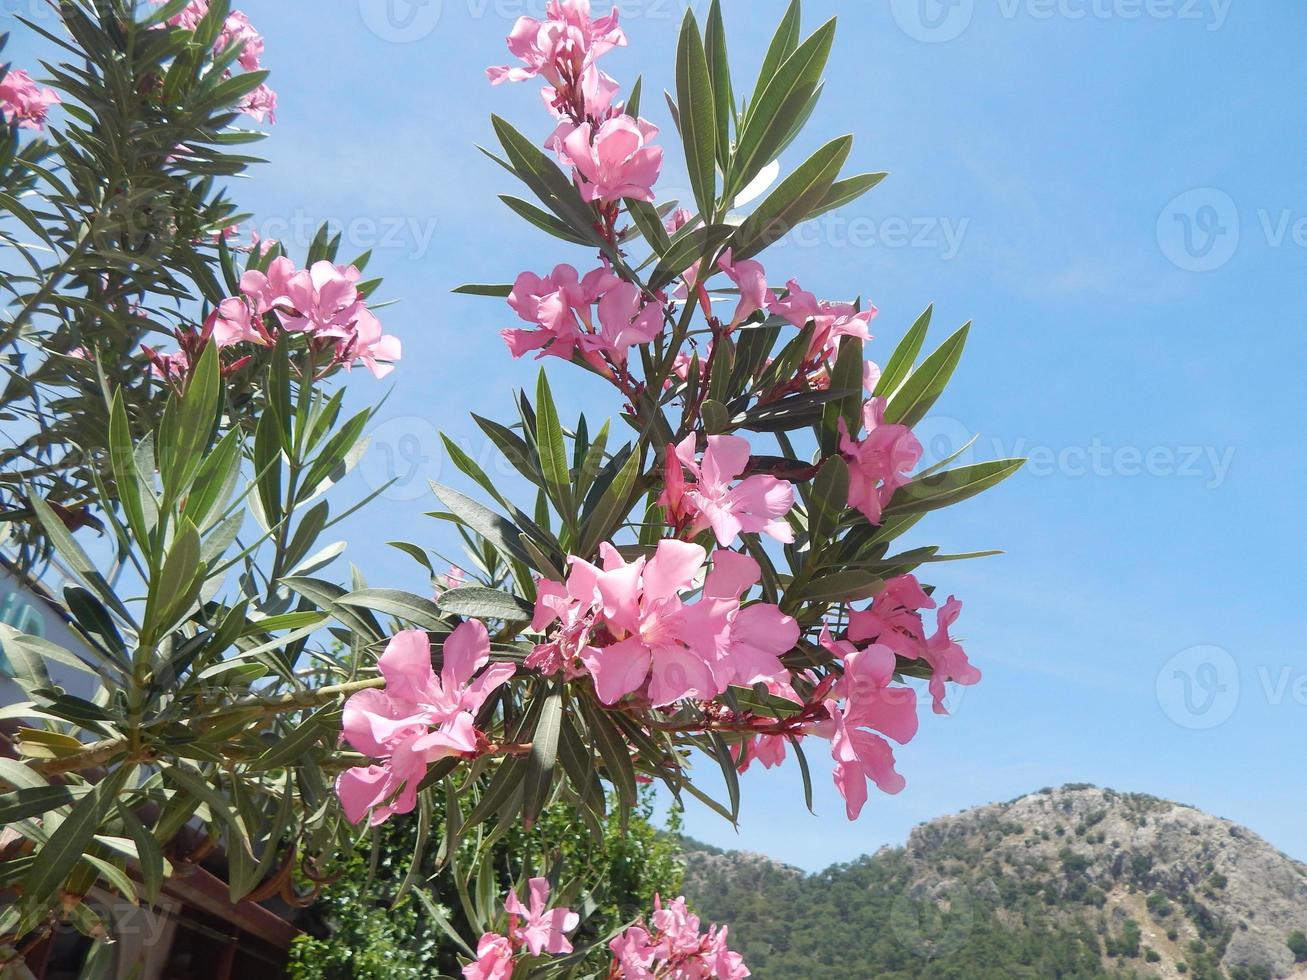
x=322, y=303
x=894, y=620
x=23, y=103
x=598, y=317
x=611, y=153
x=863, y=709
x=713, y=499
x=673, y=945
x=419, y=718
x=260, y=104
x=537, y=929
x=631, y=628
x=880, y=462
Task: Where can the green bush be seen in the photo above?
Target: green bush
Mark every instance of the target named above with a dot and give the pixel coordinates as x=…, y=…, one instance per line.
x=1298, y=946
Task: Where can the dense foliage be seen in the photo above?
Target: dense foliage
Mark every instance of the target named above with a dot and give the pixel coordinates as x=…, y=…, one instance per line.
x=357, y=930
x=722, y=582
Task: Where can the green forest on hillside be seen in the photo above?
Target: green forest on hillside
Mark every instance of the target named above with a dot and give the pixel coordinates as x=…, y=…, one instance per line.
x=867, y=916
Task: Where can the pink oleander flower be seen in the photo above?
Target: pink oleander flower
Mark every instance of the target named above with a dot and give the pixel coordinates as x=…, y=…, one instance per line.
x=260, y=105
x=494, y=959
x=560, y=48
x=681, y=367
x=864, y=707
x=830, y=321
x=880, y=462
x=598, y=92
x=634, y=952
x=170, y=367
x=660, y=641
x=947, y=659
x=455, y=578
x=626, y=320
x=322, y=302
x=557, y=305
x=860, y=755
x=757, y=505
x=677, y=220
x=894, y=620
x=237, y=29
x=751, y=279
x=629, y=626
x=540, y=928
x=770, y=750
x=190, y=16
x=418, y=719
x=368, y=346
x=676, y=948
x=562, y=308
x=23, y=103
x=616, y=161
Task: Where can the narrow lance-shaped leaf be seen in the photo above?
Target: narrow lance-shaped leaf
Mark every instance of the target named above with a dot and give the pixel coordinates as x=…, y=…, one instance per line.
x=698, y=114
x=924, y=386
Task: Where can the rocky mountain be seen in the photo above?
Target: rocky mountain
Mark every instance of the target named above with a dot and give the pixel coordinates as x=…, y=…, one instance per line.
x=1077, y=882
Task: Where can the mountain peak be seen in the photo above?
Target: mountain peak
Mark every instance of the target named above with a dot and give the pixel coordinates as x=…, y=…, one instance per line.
x=1071, y=882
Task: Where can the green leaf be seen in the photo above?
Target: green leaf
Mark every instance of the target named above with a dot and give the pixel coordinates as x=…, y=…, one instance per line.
x=613, y=750
x=474, y=602
x=847, y=586
x=796, y=200
x=539, y=778
x=689, y=247
x=69, y=841
x=783, y=44
x=905, y=355
x=25, y=661
x=695, y=101
x=612, y=508
x=405, y=606
x=178, y=584
x=302, y=738
x=513, y=447
x=830, y=500
x=924, y=386
x=543, y=220
x=803, y=769
x=79, y=563
x=846, y=191
x=149, y=855
x=950, y=487
x=32, y=801
x=785, y=100
x=128, y=481
x=114, y=875
x=719, y=69
x=651, y=226
x=497, y=291
x=327, y=595
x=847, y=376
x=500, y=532
x=419, y=849
x=730, y=774
x=554, y=188
x=553, y=452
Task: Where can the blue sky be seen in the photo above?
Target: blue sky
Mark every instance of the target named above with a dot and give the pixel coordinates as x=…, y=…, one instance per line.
x=1113, y=190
